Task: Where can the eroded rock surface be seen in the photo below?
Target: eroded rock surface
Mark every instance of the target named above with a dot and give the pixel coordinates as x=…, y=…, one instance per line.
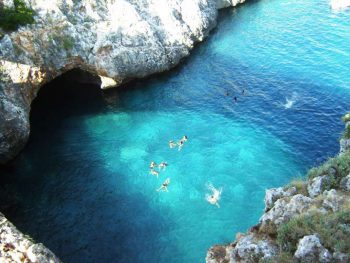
x=16, y=247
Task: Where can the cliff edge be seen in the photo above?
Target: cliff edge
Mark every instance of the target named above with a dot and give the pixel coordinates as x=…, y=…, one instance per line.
x=306, y=221
x=113, y=40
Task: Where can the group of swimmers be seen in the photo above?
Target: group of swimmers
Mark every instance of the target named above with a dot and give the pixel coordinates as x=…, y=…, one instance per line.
x=162, y=166
x=235, y=98
x=212, y=198
x=180, y=143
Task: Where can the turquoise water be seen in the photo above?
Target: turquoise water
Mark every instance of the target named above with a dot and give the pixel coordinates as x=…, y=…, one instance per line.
x=82, y=185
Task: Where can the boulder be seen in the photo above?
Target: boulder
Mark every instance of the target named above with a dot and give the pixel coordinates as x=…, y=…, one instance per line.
x=273, y=194
x=283, y=209
x=345, y=183
x=252, y=249
x=318, y=184
x=310, y=250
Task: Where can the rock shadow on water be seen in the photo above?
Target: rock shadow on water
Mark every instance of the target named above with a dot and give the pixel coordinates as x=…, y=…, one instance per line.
x=73, y=209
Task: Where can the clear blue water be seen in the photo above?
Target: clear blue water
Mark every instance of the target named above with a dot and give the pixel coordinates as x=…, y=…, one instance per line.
x=82, y=184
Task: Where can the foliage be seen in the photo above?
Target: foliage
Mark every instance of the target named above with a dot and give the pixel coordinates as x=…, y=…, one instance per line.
x=346, y=117
x=66, y=42
x=300, y=185
x=346, y=133
x=333, y=230
x=12, y=18
x=337, y=168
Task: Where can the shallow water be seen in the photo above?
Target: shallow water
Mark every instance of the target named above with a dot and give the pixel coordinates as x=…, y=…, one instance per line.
x=82, y=183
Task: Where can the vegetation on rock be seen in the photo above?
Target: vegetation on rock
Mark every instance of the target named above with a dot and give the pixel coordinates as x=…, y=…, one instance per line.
x=19, y=15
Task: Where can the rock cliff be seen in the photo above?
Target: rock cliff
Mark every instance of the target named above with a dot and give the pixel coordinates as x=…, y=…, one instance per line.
x=115, y=40
x=16, y=247
x=306, y=221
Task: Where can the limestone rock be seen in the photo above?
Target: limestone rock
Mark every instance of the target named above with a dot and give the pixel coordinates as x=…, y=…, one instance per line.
x=345, y=183
x=318, y=185
x=251, y=249
x=283, y=209
x=310, y=250
x=273, y=194
x=15, y=247
x=344, y=145
x=332, y=200
x=118, y=40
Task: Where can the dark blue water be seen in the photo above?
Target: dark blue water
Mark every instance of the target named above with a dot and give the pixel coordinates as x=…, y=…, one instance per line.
x=82, y=185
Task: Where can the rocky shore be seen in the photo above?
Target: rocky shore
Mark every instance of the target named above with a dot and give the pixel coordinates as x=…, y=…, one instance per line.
x=16, y=247
x=114, y=41
x=306, y=221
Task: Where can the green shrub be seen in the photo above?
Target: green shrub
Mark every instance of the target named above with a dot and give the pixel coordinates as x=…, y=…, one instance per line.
x=346, y=133
x=12, y=18
x=333, y=230
x=68, y=43
x=346, y=117
x=300, y=185
x=340, y=164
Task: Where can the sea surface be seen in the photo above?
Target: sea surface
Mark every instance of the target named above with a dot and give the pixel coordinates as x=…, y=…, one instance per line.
x=82, y=185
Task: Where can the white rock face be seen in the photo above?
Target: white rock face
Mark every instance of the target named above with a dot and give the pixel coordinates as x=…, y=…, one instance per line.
x=118, y=40
x=345, y=183
x=310, y=250
x=251, y=249
x=273, y=194
x=15, y=247
x=344, y=145
x=317, y=185
x=332, y=200
x=283, y=210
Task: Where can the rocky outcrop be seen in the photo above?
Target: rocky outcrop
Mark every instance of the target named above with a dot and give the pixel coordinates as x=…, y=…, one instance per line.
x=311, y=250
x=291, y=226
x=114, y=40
x=16, y=247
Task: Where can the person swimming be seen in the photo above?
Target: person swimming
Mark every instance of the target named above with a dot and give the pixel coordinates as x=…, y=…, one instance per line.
x=155, y=173
x=235, y=99
x=184, y=138
x=172, y=144
x=152, y=165
x=164, y=186
x=180, y=144
x=214, y=197
x=162, y=166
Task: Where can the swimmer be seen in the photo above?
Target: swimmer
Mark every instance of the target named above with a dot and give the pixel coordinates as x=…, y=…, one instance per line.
x=180, y=144
x=164, y=186
x=243, y=91
x=152, y=165
x=215, y=196
x=235, y=99
x=184, y=138
x=162, y=166
x=172, y=144
x=155, y=173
